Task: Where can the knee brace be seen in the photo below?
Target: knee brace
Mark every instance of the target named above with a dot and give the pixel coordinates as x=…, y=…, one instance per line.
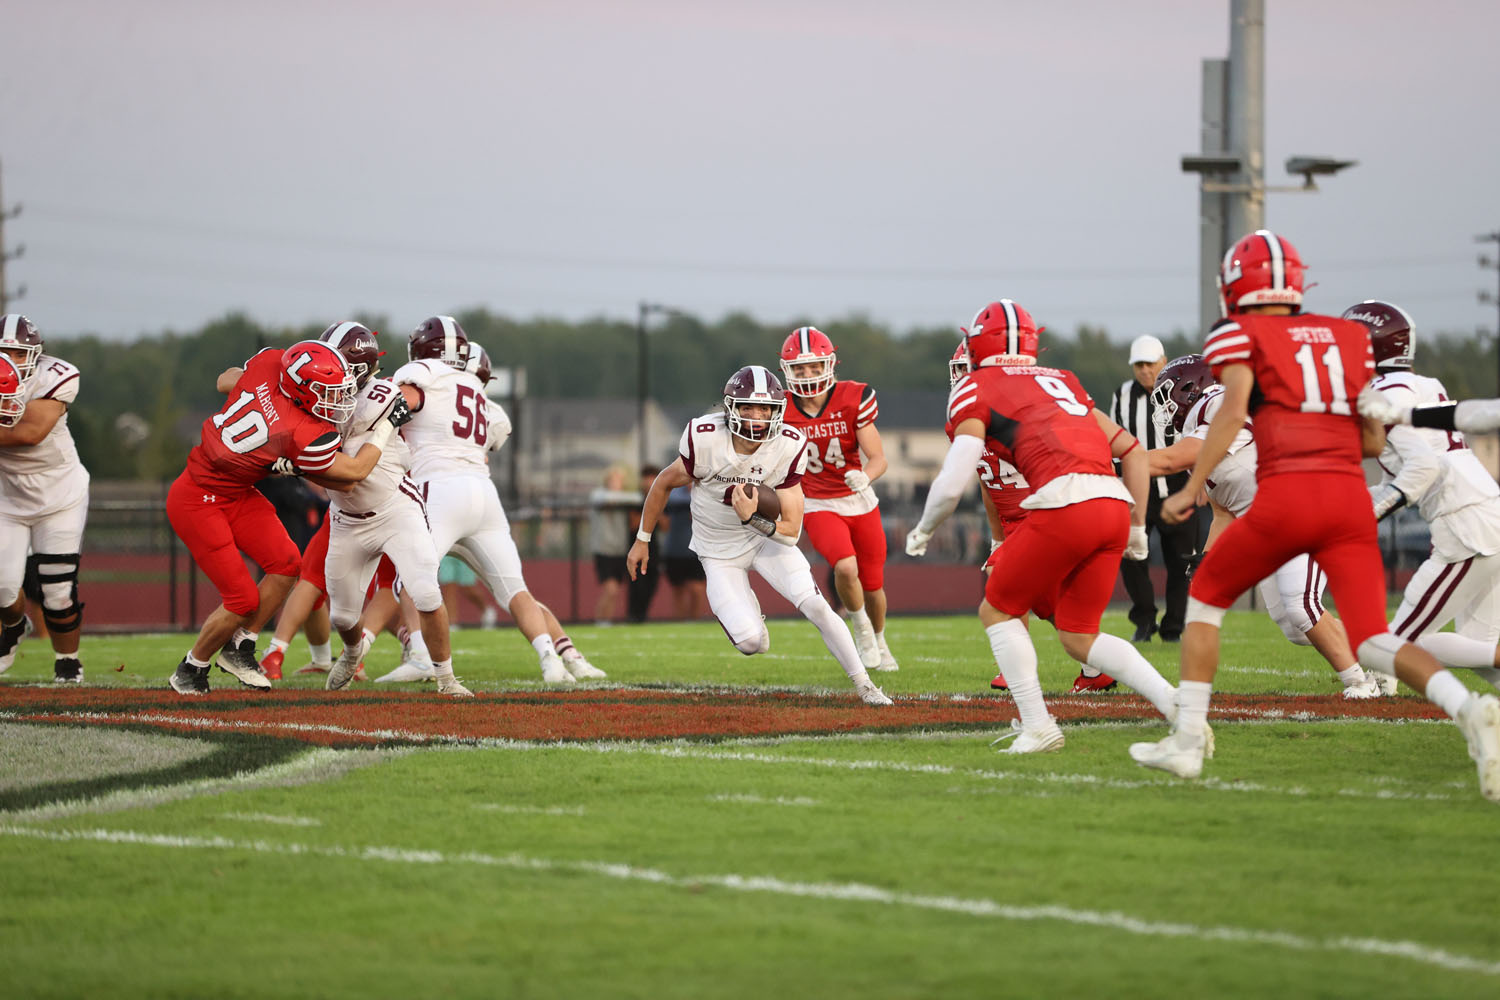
x=1197, y=611
x=56, y=578
x=1378, y=653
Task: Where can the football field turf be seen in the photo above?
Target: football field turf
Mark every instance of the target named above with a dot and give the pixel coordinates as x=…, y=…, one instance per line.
x=705, y=824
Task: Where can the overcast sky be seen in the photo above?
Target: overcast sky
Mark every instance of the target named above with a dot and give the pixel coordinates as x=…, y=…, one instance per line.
x=301, y=161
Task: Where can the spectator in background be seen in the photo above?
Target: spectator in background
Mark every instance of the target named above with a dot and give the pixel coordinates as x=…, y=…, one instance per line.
x=684, y=570
x=642, y=589
x=1131, y=408
x=456, y=578
x=300, y=506
x=609, y=539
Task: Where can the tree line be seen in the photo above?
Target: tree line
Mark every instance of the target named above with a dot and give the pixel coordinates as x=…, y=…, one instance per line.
x=141, y=403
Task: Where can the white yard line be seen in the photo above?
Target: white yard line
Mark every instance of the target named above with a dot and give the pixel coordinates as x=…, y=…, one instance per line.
x=849, y=892
x=759, y=800
x=502, y=807
x=274, y=820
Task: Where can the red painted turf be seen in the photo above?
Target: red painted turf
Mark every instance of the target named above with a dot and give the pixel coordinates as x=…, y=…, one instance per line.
x=367, y=718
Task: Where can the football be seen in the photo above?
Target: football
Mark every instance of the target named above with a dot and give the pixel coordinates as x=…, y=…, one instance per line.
x=768, y=504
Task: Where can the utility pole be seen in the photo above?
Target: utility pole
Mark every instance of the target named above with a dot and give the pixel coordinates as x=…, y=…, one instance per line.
x=643, y=374
x=5, y=255
x=1488, y=297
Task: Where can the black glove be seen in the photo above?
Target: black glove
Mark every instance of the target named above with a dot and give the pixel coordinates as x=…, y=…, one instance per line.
x=400, y=412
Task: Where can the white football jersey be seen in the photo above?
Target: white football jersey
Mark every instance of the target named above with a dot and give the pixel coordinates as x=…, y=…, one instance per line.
x=375, y=491
x=1232, y=483
x=449, y=435
x=707, y=450
x=1439, y=474
x=46, y=476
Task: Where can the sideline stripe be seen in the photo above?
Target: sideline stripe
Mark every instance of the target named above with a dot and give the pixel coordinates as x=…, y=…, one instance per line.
x=852, y=892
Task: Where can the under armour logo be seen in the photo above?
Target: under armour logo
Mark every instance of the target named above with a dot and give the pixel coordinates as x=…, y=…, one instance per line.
x=209, y=498
x=756, y=470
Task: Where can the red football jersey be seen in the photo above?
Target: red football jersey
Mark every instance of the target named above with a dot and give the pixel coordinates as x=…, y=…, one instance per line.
x=1308, y=371
x=831, y=446
x=1006, y=486
x=258, y=427
x=1040, y=420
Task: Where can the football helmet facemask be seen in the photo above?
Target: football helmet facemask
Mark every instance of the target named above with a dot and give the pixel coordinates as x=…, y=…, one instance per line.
x=12, y=392
x=357, y=343
x=958, y=365
x=1179, y=385
x=317, y=378
x=1262, y=269
x=754, y=385
x=808, y=345
x=17, y=333
x=1002, y=334
x=439, y=338
x=1393, y=335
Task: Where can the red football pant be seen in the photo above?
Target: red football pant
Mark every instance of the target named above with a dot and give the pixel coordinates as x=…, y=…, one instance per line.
x=839, y=536
x=1327, y=516
x=1066, y=555
x=216, y=529
x=315, y=558
x=1044, y=607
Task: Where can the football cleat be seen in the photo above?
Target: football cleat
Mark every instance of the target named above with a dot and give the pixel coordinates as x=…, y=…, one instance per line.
x=1479, y=720
x=453, y=688
x=1041, y=740
x=864, y=642
x=67, y=671
x=1175, y=754
x=409, y=672
x=316, y=668
x=10, y=641
x=999, y=684
x=188, y=680
x=1084, y=684
x=1387, y=683
x=240, y=661
x=1364, y=690
x=553, y=671
x=887, y=661
x=582, y=669
x=347, y=665
x=870, y=694
x=270, y=664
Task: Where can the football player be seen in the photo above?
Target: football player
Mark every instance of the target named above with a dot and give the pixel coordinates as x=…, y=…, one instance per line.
x=1186, y=398
x=44, y=497
x=723, y=455
x=454, y=429
x=1435, y=471
x=281, y=418
x=1081, y=518
x=1302, y=372
x=844, y=456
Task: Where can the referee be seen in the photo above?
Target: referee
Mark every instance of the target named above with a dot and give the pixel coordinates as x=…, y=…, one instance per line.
x=1131, y=408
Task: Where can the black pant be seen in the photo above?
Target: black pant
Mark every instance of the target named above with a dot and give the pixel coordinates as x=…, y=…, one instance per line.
x=1179, y=550
x=640, y=591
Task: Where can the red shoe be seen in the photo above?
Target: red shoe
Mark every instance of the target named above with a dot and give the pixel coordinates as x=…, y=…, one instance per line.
x=315, y=668
x=270, y=664
x=1084, y=684
x=999, y=683
x=359, y=672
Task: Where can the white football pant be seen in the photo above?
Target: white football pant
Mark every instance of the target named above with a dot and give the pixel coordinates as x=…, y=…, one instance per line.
x=57, y=533
x=354, y=549
x=466, y=509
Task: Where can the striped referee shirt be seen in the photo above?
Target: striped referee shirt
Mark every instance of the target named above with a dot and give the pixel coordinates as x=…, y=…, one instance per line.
x=1131, y=408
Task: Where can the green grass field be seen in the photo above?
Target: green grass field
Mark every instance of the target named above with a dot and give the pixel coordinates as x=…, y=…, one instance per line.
x=1346, y=857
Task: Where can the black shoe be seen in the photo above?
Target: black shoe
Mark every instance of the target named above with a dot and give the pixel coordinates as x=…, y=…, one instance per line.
x=187, y=679
x=10, y=638
x=1170, y=638
x=67, y=671
x=1143, y=633
x=239, y=660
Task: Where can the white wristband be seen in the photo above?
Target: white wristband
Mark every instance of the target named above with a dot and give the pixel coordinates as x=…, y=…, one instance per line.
x=643, y=536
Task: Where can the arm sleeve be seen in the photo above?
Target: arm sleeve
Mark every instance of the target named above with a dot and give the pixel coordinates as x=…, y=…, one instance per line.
x=319, y=454
x=957, y=472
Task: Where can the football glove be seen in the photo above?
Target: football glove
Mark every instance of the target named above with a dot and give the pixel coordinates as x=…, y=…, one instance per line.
x=1378, y=406
x=916, y=541
x=283, y=467
x=856, y=480
x=400, y=412
x=1138, y=547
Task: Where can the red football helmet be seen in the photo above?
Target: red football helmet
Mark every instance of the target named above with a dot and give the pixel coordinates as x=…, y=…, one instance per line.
x=12, y=392
x=1002, y=334
x=479, y=363
x=958, y=365
x=1179, y=385
x=441, y=339
x=17, y=333
x=356, y=342
x=754, y=384
x=317, y=378
x=808, y=345
x=1392, y=333
x=1262, y=269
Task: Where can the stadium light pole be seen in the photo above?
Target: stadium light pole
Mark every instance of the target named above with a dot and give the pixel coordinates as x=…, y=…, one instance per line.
x=1486, y=297
x=643, y=373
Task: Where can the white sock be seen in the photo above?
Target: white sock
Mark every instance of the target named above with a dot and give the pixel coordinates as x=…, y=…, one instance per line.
x=836, y=636
x=543, y=646
x=880, y=641
x=416, y=644
x=277, y=646
x=1114, y=656
x=1454, y=650
x=241, y=634
x=369, y=638
x=195, y=663
x=862, y=619
x=443, y=669
x=1192, y=707
x=1015, y=657
x=1447, y=692
x=1353, y=677
x=322, y=652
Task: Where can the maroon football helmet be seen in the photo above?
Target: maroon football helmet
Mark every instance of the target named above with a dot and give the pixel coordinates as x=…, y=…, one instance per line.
x=1179, y=385
x=754, y=384
x=19, y=334
x=12, y=392
x=479, y=363
x=1262, y=269
x=441, y=339
x=1003, y=333
x=317, y=378
x=1392, y=333
x=357, y=343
